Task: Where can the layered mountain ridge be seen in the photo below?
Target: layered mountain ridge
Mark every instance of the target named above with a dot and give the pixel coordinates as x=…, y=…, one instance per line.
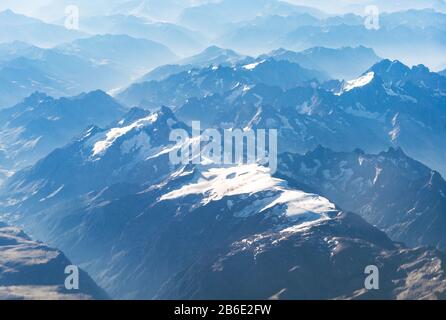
x=401, y=196
x=188, y=228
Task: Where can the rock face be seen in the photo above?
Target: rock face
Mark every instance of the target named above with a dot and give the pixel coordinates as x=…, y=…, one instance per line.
x=325, y=260
x=30, y=270
x=399, y=195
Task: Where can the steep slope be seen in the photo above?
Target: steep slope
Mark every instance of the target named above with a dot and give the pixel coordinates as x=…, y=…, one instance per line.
x=145, y=228
x=409, y=101
x=400, y=196
x=32, y=271
x=35, y=127
x=325, y=260
x=178, y=88
x=378, y=110
x=133, y=150
x=394, y=72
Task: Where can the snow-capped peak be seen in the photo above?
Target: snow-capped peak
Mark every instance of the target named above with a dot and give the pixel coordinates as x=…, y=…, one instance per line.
x=359, y=82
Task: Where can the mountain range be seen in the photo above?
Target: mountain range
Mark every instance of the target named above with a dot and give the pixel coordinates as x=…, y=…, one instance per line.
x=213, y=18
x=113, y=61
x=392, y=38
x=187, y=228
x=122, y=51
x=176, y=89
x=17, y=27
x=88, y=117
x=397, y=194
x=343, y=63
x=25, y=69
x=179, y=39
x=390, y=105
x=389, y=42
x=348, y=6
x=211, y=56
x=20, y=77
x=38, y=125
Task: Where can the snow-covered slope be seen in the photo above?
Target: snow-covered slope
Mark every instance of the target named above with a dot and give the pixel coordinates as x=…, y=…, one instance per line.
x=217, y=183
x=358, y=83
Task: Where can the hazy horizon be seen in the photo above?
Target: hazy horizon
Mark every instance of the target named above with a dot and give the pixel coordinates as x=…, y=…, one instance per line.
x=47, y=9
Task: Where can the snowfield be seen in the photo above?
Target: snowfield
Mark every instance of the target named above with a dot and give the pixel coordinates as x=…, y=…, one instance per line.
x=358, y=83
x=217, y=183
x=113, y=134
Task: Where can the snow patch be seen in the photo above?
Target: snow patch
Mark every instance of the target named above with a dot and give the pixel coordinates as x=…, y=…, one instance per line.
x=113, y=134
x=359, y=82
x=217, y=183
x=53, y=194
x=252, y=66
